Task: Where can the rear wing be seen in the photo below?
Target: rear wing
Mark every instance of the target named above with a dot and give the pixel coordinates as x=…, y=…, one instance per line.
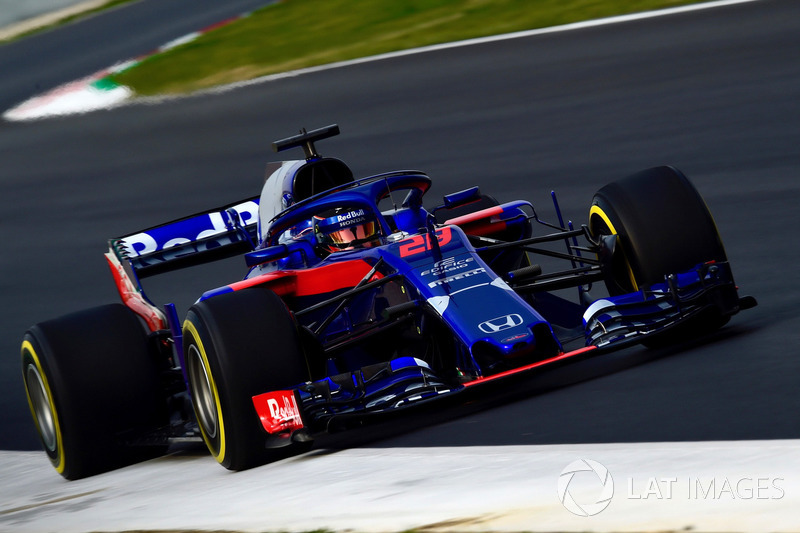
x=200, y=238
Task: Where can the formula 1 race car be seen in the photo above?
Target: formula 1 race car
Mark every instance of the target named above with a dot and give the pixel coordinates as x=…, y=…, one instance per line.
x=360, y=302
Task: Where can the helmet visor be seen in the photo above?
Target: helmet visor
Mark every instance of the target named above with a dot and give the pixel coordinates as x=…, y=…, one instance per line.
x=347, y=229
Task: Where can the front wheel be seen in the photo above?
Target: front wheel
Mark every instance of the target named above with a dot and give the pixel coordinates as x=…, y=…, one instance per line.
x=238, y=345
x=663, y=227
x=93, y=389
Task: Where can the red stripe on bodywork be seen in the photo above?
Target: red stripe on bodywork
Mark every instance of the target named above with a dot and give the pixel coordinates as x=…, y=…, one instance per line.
x=282, y=283
x=133, y=299
x=561, y=357
x=328, y=278
x=477, y=215
x=480, y=222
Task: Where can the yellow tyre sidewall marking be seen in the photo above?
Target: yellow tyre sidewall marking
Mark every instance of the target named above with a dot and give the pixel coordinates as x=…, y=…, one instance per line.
x=597, y=210
x=58, y=462
x=219, y=455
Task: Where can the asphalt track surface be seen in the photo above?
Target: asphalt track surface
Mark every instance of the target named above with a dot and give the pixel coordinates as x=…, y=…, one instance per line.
x=713, y=92
x=47, y=60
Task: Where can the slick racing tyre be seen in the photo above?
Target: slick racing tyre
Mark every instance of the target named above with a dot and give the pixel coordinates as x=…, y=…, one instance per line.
x=663, y=226
x=93, y=389
x=238, y=345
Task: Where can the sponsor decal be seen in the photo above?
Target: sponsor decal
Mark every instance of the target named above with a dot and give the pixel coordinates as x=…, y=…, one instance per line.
x=461, y=275
x=349, y=216
x=352, y=221
x=278, y=411
x=500, y=323
x=451, y=264
x=187, y=231
x=337, y=222
x=515, y=338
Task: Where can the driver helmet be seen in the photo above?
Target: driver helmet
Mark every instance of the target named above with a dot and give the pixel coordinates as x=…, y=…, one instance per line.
x=347, y=229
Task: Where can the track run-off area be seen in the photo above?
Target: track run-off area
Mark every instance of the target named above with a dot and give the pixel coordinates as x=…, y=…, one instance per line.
x=708, y=486
x=701, y=436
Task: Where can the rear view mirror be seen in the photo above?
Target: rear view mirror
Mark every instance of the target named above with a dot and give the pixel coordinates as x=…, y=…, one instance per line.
x=457, y=199
x=266, y=255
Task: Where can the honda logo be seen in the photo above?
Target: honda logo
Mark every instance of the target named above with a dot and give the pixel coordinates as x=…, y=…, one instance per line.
x=500, y=323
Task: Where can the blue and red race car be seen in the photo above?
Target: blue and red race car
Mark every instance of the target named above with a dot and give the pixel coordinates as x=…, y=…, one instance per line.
x=360, y=301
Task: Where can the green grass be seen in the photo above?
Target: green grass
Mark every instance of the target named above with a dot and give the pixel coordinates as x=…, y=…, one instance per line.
x=294, y=34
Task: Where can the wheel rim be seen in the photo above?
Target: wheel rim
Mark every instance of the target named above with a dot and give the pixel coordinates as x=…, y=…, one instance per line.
x=40, y=403
x=202, y=391
x=600, y=224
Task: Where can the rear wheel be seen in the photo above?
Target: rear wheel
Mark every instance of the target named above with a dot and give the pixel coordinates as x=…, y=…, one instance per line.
x=93, y=389
x=238, y=345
